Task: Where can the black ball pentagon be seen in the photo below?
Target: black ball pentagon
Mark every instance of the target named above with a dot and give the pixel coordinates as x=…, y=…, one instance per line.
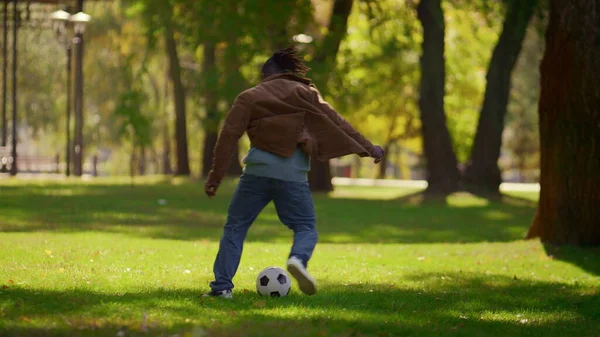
x=275, y=294
x=282, y=279
x=264, y=281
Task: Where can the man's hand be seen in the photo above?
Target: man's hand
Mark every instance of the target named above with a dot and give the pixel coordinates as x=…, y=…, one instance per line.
x=378, y=154
x=210, y=189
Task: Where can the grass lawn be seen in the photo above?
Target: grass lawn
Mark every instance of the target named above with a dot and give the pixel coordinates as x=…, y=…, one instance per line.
x=101, y=258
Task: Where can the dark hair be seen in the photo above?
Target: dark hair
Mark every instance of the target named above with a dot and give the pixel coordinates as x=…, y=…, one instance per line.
x=285, y=60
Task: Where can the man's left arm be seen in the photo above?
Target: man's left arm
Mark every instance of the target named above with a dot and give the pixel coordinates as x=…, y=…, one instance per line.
x=341, y=122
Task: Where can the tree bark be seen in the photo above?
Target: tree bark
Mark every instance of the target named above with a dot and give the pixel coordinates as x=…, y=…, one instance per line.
x=320, y=173
x=382, y=169
x=141, y=164
x=483, y=174
x=442, y=176
x=167, y=168
x=238, y=83
x=183, y=167
x=319, y=176
x=569, y=112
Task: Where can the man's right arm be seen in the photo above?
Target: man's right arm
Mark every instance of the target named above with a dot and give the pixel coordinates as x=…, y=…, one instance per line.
x=235, y=125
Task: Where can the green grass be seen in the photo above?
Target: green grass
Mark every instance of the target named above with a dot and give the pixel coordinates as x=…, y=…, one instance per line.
x=100, y=258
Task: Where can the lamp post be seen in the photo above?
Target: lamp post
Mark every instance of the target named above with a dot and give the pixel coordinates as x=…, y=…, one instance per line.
x=62, y=22
x=3, y=167
x=13, y=167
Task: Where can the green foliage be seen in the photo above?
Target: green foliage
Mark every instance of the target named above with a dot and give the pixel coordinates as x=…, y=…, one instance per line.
x=134, y=125
x=470, y=40
x=374, y=82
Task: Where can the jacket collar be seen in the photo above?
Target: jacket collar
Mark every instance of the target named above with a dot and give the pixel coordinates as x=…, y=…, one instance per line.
x=288, y=76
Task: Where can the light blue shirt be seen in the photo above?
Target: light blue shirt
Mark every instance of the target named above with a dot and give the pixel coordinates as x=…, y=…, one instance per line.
x=265, y=164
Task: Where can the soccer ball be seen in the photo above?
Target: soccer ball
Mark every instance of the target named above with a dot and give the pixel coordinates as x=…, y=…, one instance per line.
x=274, y=282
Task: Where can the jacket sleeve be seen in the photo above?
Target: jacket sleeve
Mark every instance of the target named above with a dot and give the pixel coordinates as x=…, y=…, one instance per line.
x=323, y=106
x=235, y=125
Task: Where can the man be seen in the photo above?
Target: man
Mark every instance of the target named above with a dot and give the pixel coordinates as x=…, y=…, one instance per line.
x=288, y=124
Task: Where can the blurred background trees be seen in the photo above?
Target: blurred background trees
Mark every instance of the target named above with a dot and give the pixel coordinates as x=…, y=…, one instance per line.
x=448, y=88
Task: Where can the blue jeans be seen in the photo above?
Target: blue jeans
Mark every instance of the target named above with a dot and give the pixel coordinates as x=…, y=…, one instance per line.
x=295, y=209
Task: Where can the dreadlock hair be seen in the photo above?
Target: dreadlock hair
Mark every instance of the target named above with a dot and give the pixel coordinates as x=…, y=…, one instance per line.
x=285, y=60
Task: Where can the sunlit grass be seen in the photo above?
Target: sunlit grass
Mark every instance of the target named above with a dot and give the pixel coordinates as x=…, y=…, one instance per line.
x=106, y=258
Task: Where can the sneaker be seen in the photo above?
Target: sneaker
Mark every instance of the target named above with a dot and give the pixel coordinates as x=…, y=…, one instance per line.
x=307, y=284
x=222, y=293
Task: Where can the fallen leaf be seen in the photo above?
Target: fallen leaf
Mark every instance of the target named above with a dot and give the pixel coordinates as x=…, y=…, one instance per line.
x=4, y=286
x=259, y=304
x=11, y=282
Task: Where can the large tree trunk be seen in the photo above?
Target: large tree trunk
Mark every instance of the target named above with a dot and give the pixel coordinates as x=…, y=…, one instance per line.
x=166, y=154
x=320, y=175
x=237, y=82
x=183, y=167
x=213, y=117
x=568, y=211
x=211, y=101
x=483, y=174
x=442, y=171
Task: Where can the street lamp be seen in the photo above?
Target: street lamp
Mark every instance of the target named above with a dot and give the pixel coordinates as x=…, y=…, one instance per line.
x=80, y=20
x=62, y=22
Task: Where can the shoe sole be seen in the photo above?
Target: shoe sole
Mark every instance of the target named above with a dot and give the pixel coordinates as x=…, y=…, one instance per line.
x=305, y=282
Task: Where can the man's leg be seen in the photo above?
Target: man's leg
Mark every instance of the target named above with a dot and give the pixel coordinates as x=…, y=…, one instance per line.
x=251, y=196
x=295, y=208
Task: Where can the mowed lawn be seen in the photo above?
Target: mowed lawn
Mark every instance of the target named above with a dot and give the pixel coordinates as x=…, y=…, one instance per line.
x=102, y=258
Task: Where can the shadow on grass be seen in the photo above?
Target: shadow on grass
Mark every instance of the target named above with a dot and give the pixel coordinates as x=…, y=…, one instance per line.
x=458, y=304
x=186, y=214
x=587, y=258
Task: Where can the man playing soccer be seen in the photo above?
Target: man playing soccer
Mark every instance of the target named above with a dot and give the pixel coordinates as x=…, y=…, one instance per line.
x=288, y=124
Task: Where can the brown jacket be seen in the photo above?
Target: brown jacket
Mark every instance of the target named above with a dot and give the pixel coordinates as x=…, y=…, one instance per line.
x=281, y=112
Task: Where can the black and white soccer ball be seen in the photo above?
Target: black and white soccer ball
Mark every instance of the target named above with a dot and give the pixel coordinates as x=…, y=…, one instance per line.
x=274, y=282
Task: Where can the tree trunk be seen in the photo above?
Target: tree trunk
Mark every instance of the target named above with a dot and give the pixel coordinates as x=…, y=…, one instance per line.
x=382, y=169
x=319, y=177
x=483, y=174
x=320, y=172
x=569, y=112
x=183, y=167
x=141, y=164
x=442, y=175
x=238, y=83
x=166, y=154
